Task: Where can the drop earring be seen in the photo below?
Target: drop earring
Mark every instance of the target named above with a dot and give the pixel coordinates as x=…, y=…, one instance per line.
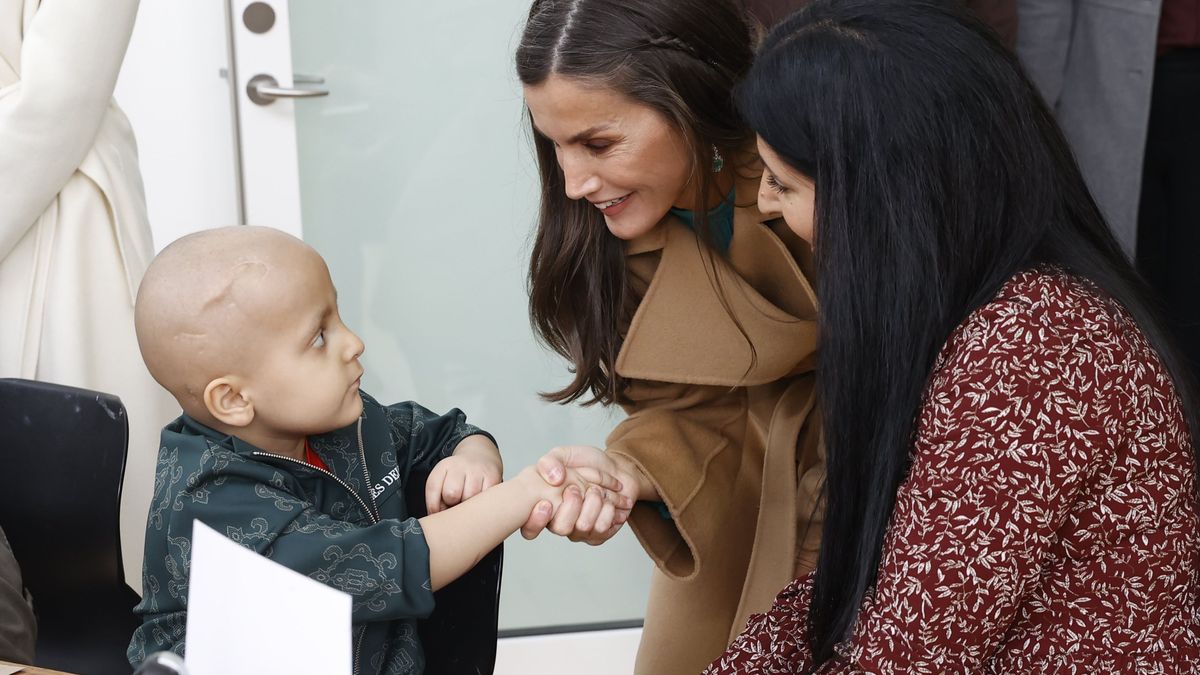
x=718, y=162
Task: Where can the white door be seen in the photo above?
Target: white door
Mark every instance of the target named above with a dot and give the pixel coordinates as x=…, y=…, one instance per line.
x=414, y=177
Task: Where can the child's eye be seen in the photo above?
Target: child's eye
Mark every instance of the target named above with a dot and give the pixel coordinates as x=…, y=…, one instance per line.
x=319, y=341
x=774, y=184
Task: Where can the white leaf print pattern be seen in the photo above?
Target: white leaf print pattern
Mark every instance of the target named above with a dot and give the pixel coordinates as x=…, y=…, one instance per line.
x=1049, y=521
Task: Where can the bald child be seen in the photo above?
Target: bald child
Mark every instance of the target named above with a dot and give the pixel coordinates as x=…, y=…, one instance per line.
x=280, y=450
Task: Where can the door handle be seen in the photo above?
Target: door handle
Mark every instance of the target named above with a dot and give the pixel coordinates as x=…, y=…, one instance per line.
x=264, y=89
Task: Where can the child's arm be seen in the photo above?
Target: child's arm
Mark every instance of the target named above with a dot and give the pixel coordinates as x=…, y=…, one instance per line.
x=384, y=566
x=459, y=537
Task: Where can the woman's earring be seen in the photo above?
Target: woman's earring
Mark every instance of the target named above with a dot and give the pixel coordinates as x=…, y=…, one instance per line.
x=718, y=162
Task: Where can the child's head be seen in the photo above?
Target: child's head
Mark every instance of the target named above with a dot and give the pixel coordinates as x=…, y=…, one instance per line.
x=241, y=325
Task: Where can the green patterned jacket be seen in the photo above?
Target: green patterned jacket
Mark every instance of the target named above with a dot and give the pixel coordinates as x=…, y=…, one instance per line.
x=349, y=528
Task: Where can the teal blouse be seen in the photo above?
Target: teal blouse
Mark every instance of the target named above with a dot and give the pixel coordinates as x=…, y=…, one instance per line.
x=720, y=222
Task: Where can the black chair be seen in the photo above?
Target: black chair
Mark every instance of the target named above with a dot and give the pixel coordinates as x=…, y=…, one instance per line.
x=459, y=638
x=60, y=493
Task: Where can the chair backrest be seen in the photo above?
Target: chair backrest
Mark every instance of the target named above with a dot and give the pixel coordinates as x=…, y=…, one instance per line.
x=63, y=455
x=459, y=638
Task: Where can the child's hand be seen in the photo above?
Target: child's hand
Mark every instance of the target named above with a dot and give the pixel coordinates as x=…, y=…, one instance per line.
x=605, y=500
x=474, y=467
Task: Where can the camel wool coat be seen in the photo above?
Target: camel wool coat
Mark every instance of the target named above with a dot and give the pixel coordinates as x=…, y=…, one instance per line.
x=74, y=236
x=727, y=434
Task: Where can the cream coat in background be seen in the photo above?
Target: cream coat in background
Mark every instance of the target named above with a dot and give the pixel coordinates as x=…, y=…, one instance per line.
x=74, y=237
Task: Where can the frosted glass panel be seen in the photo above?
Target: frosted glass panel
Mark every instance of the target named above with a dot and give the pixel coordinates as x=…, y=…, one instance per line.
x=419, y=188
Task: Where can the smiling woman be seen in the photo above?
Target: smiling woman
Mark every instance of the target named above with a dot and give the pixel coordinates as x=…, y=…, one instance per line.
x=629, y=161
x=670, y=294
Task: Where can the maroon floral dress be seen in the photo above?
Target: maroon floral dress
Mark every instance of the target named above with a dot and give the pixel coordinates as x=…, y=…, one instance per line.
x=1049, y=521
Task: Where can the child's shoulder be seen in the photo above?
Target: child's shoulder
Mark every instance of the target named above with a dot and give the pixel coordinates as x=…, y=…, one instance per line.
x=402, y=413
x=185, y=441
x=198, y=454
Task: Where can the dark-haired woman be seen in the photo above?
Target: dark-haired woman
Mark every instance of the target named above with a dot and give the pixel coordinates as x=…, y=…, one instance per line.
x=1010, y=438
x=670, y=295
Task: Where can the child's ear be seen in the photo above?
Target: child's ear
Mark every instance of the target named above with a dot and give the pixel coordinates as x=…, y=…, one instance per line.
x=225, y=402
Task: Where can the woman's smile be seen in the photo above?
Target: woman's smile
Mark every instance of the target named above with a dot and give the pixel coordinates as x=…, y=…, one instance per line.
x=613, y=207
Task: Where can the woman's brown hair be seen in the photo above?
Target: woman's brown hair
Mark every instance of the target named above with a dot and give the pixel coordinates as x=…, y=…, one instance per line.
x=681, y=58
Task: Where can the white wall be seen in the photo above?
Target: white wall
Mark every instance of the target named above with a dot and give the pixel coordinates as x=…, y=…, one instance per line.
x=178, y=104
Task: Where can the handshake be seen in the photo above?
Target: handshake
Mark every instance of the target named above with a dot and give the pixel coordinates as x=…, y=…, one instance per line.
x=579, y=492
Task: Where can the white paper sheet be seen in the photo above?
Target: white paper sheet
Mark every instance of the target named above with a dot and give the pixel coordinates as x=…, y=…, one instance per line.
x=248, y=614
x=9, y=670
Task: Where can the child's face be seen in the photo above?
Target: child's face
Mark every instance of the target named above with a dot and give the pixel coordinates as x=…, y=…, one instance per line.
x=308, y=377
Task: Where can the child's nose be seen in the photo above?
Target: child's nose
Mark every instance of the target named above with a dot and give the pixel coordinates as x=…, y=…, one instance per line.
x=354, y=346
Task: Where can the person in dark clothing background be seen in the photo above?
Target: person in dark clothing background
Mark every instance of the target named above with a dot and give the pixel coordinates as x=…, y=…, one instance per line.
x=1001, y=15
x=1169, y=214
x=18, y=630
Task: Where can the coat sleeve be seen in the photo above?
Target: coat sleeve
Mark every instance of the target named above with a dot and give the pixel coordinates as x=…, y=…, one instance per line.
x=1044, y=43
x=1007, y=441
x=384, y=567
x=428, y=437
x=70, y=58
x=687, y=440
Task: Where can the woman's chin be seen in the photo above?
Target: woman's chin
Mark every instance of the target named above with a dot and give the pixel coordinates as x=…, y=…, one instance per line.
x=629, y=228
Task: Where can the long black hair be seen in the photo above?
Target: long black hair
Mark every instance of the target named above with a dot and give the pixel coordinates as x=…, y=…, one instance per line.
x=682, y=59
x=940, y=173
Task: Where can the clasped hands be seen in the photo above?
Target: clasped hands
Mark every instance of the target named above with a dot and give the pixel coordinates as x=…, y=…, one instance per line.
x=598, y=490
x=592, y=516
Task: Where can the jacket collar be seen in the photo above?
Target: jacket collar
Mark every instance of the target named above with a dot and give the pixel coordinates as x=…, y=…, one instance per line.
x=324, y=444
x=685, y=331
x=188, y=426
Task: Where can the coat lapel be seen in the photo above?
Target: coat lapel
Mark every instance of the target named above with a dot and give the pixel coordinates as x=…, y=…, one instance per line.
x=686, y=328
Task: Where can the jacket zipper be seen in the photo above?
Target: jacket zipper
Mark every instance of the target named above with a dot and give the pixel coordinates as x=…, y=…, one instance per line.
x=358, y=648
x=371, y=511
x=370, y=514
x=362, y=453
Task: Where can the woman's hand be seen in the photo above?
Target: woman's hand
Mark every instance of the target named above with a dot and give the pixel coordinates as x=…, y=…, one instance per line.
x=582, y=517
